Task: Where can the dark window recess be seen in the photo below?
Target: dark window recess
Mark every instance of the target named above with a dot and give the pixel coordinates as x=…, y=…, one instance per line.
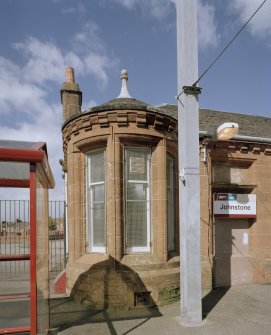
x=142, y=298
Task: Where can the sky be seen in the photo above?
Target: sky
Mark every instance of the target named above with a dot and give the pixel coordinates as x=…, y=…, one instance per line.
x=99, y=38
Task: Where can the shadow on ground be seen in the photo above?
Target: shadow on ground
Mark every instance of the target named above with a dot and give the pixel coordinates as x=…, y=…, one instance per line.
x=212, y=299
x=112, y=287
x=66, y=312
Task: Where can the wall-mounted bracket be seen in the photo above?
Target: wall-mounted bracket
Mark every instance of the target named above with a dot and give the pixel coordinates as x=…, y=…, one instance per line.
x=192, y=90
x=182, y=175
x=188, y=171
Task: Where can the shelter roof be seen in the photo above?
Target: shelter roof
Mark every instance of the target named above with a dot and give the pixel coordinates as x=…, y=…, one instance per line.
x=15, y=159
x=19, y=144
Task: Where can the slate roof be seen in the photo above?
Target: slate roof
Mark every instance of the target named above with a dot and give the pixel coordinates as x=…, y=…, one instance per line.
x=123, y=103
x=250, y=125
x=209, y=120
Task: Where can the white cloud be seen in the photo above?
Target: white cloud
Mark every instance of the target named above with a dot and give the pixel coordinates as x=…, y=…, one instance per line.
x=31, y=117
x=98, y=65
x=45, y=61
x=155, y=8
x=72, y=59
x=14, y=92
x=88, y=39
x=87, y=105
x=159, y=9
x=95, y=58
x=207, y=29
x=79, y=8
x=129, y=4
x=260, y=25
x=45, y=126
x=25, y=94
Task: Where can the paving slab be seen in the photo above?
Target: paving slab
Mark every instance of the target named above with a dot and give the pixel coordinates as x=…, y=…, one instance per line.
x=244, y=310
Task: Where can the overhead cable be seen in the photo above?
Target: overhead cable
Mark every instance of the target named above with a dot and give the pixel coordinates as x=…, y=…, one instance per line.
x=227, y=46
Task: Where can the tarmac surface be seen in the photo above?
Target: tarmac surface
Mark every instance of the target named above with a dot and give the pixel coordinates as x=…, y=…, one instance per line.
x=244, y=310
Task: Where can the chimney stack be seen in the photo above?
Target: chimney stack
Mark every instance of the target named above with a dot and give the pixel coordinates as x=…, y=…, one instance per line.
x=71, y=96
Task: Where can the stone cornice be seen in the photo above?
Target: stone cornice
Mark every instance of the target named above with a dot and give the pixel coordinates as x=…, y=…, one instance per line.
x=244, y=148
x=121, y=118
x=118, y=105
x=148, y=120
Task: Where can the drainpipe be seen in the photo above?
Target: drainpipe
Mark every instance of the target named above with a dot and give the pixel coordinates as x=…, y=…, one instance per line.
x=252, y=139
x=203, y=133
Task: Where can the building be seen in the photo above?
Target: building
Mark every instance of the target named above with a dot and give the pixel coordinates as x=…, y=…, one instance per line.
x=122, y=192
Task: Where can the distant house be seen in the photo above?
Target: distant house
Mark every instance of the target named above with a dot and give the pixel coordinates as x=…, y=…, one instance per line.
x=122, y=195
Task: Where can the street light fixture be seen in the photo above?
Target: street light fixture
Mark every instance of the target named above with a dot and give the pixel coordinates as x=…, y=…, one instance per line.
x=227, y=131
x=224, y=132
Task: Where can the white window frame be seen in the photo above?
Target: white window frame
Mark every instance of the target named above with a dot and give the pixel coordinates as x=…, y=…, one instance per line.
x=90, y=220
x=171, y=229
x=147, y=248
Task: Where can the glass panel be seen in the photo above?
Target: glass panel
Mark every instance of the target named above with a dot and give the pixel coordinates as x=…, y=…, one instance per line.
x=136, y=224
x=97, y=167
x=14, y=170
x=96, y=196
x=14, y=275
x=137, y=191
x=137, y=163
x=98, y=219
x=97, y=192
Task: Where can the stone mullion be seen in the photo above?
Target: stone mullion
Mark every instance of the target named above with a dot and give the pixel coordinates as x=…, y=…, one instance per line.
x=110, y=199
x=74, y=206
x=159, y=201
x=118, y=186
x=114, y=197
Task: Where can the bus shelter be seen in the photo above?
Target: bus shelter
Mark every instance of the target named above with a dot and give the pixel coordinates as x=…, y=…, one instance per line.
x=25, y=165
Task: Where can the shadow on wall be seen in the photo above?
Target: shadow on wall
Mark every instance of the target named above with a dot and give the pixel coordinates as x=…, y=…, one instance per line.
x=112, y=285
x=108, y=291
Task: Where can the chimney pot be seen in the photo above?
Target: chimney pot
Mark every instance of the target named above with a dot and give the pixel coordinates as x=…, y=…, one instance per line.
x=69, y=75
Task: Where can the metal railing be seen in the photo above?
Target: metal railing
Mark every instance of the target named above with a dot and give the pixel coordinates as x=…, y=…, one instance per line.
x=15, y=235
x=57, y=236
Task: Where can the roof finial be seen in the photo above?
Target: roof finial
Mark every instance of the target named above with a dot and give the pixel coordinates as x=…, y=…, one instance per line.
x=124, y=90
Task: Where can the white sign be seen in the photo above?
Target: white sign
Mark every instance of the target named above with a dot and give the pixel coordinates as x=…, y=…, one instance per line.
x=235, y=205
x=137, y=165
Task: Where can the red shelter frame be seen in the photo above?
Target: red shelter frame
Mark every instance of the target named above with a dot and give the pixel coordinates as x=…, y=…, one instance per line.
x=34, y=154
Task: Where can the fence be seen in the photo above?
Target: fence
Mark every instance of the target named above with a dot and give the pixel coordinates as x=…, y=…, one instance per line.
x=15, y=234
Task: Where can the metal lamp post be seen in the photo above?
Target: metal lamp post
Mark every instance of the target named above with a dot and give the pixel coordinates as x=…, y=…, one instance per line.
x=188, y=143
x=188, y=146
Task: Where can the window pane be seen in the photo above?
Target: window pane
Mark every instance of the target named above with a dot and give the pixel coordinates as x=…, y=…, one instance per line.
x=98, y=224
x=137, y=166
x=97, y=167
x=137, y=191
x=97, y=193
x=136, y=224
x=96, y=198
x=137, y=163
